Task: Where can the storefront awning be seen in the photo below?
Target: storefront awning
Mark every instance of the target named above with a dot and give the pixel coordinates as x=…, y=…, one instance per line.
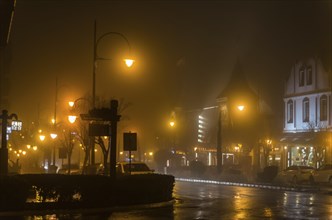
x=307, y=138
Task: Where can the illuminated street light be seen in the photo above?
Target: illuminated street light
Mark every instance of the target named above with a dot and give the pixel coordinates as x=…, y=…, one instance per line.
x=71, y=103
x=53, y=136
x=129, y=62
x=240, y=107
x=72, y=118
x=42, y=137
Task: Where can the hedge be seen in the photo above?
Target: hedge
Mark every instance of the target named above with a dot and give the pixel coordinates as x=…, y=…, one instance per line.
x=57, y=191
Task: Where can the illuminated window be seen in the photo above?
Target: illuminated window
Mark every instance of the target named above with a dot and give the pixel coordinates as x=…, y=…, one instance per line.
x=301, y=77
x=323, y=108
x=305, y=110
x=16, y=125
x=309, y=76
x=290, y=111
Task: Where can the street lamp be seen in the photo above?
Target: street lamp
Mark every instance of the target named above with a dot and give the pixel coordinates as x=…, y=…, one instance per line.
x=71, y=119
x=129, y=62
x=240, y=108
x=42, y=139
x=222, y=110
x=53, y=169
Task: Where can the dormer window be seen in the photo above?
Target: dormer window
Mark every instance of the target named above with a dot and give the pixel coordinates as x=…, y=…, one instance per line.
x=308, y=76
x=301, y=77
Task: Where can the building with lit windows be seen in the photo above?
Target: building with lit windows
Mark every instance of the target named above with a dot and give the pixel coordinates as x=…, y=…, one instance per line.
x=308, y=116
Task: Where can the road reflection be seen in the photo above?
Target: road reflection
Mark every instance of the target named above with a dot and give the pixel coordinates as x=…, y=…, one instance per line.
x=212, y=201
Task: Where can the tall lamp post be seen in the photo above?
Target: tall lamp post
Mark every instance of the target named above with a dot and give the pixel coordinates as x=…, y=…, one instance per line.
x=172, y=125
x=71, y=119
x=128, y=62
x=239, y=108
x=53, y=167
x=42, y=139
x=96, y=57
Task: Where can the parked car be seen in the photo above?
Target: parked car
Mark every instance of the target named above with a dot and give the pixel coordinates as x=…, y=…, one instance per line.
x=126, y=168
x=74, y=169
x=296, y=175
x=323, y=174
x=133, y=168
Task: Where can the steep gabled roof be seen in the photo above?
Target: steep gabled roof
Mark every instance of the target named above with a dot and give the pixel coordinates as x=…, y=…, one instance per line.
x=237, y=84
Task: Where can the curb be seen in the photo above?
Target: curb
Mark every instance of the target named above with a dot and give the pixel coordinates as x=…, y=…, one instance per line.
x=253, y=185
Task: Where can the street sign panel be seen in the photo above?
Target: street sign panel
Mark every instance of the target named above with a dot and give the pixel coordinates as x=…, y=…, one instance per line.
x=130, y=141
x=99, y=129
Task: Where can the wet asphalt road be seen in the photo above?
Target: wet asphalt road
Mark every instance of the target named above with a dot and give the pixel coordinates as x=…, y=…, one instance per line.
x=212, y=201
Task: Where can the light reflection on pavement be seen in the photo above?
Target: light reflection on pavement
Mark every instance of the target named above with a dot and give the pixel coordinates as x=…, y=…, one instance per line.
x=212, y=201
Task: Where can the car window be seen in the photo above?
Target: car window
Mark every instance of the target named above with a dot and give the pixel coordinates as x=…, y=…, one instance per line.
x=136, y=167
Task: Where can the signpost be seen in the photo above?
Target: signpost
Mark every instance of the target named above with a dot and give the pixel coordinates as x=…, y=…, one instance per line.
x=130, y=144
x=105, y=115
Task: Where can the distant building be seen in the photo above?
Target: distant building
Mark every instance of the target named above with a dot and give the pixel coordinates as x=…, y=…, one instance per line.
x=234, y=131
x=306, y=136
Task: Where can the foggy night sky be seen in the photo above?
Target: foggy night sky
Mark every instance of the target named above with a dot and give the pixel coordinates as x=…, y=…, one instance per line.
x=184, y=51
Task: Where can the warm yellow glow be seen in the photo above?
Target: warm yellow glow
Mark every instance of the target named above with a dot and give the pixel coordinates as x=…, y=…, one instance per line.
x=53, y=121
x=71, y=118
x=172, y=123
x=10, y=149
x=24, y=152
x=240, y=107
x=121, y=152
x=71, y=103
x=129, y=62
x=28, y=146
x=42, y=137
x=96, y=150
x=35, y=148
x=40, y=131
x=150, y=153
x=20, y=151
x=53, y=135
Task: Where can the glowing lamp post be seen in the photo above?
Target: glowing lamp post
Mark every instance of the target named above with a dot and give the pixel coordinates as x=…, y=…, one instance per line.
x=53, y=168
x=71, y=119
x=129, y=62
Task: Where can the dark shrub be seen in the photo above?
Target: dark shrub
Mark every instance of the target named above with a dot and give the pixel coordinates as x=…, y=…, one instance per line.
x=268, y=174
x=78, y=191
x=13, y=193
